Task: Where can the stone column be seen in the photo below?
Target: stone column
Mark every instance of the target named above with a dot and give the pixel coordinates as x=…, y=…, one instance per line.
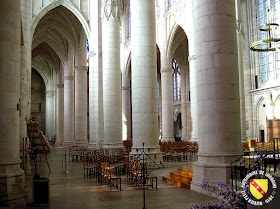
x=60, y=108
x=81, y=106
x=144, y=77
x=126, y=111
x=193, y=90
x=244, y=28
x=241, y=76
x=218, y=91
x=23, y=91
x=112, y=89
x=69, y=100
x=60, y=115
x=12, y=190
x=96, y=117
x=167, y=100
x=184, y=98
x=50, y=112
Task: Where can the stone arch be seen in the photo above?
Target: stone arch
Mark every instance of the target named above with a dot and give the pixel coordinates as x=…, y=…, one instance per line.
x=171, y=38
x=276, y=106
x=68, y=5
x=260, y=124
x=177, y=111
x=41, y=72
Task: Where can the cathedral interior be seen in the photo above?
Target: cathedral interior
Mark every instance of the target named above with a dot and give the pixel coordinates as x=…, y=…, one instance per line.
x=90, y=86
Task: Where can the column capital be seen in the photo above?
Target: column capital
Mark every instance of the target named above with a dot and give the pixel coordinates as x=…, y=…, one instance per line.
x=69, y=77
x=81, y=68
x=112, y=9
x=50, y=93
x=166, y=70
x=192, y=58
x=59, y=85
x=126, y=88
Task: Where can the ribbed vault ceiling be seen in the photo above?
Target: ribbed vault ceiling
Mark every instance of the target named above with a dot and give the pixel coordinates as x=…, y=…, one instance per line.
x=55, y=32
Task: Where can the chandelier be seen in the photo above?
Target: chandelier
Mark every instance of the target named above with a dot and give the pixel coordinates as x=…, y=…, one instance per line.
x=270, y=43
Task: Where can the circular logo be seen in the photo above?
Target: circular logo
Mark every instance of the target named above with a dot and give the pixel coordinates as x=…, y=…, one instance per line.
x=256, y=188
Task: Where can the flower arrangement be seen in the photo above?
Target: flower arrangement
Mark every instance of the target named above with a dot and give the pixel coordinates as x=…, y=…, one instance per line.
x=230, y=198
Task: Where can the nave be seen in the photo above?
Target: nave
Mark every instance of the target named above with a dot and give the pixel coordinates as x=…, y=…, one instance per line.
x=73, y=190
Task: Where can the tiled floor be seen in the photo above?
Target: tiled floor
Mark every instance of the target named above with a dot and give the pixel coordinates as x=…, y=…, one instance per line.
x=72, y=190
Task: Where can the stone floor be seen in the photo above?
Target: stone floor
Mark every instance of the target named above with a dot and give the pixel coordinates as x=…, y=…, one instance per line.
x=72, y=190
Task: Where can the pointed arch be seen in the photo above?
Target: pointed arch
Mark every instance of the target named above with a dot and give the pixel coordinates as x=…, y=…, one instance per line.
x=275, y=105
x=68, y=5
x=172, y=38
x=40, y=71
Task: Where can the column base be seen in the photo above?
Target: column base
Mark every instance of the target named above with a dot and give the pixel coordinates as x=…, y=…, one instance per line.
x=95, y=145
x=116, y=145
x=83, y=144
x=67, y=145
x=185, y=139
x=58, y=144
x=211, y=169
x=167, y=139
x=194, y=139
x=12, y=187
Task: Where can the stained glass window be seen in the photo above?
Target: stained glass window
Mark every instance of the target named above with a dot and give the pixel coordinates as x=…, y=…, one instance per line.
x=87, y=51
x=176, y=81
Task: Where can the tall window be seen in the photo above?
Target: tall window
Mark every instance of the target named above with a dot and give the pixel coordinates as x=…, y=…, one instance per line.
x=170, y=3
x=87, y=52
x=277, y=35
x=176, y=81
x=263, y=6
x=128, y=21
x=268, y=61
x=157, y=9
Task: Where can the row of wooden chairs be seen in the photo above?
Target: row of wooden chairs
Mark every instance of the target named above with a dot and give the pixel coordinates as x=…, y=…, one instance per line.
x=179, y=151
x=259, y=146
x=108, y=175
x=136, y=173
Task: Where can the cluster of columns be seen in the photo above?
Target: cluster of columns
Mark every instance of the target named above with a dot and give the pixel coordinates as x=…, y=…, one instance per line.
x=73, y=102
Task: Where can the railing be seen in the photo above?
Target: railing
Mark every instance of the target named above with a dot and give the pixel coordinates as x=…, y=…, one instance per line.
x=249, y=161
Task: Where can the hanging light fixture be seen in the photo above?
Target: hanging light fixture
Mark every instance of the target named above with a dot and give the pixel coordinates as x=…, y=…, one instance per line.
x=269, y=44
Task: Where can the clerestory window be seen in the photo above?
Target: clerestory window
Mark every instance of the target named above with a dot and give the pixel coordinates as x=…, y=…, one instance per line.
x=269, y=63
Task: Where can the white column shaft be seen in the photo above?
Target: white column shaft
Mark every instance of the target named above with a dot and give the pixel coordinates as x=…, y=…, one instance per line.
x=96, y=126
x=167, y=100
x=218, y=91
x=50, y=113
x=193, y=90
x=112, y=82
x=144, y=75
x=69, y=101
x=184, y=113
x=81, y=106
x=60, y=115
x=126, y=111
x=12, y=189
